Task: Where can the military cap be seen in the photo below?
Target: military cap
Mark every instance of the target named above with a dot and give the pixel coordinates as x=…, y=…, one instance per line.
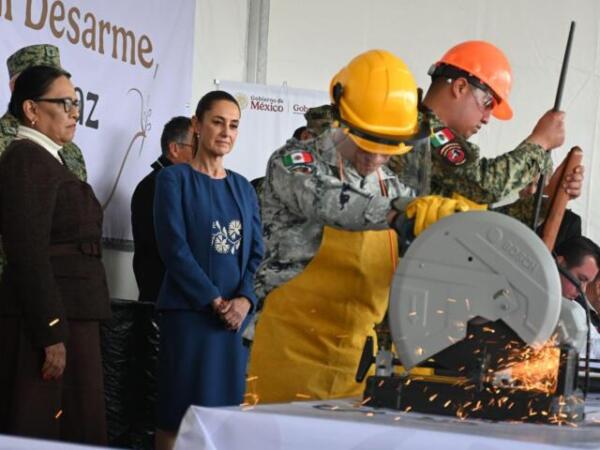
x=33, y=55
x=319, y=118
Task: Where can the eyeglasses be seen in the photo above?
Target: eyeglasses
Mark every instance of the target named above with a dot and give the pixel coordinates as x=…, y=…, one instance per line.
x=485, y=101
x=185, y=144
x=68, y=103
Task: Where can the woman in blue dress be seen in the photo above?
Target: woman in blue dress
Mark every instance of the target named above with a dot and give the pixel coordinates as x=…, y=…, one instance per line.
x=209, y=237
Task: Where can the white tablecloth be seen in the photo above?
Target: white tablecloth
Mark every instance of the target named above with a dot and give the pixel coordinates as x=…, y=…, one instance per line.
x=341, y=425
x=18, y=443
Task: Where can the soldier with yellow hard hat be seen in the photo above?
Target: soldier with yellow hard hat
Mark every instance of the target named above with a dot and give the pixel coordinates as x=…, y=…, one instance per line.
x=327, y=206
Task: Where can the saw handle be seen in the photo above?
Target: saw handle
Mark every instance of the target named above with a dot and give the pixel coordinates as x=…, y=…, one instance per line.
x=559, y=198
x=366, y=359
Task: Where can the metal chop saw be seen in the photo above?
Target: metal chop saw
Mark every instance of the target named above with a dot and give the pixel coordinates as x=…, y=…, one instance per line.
x=477, y=327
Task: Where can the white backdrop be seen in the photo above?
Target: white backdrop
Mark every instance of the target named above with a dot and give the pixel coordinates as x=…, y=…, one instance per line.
x=132, y=62
x=270, y=114
x=310, y=40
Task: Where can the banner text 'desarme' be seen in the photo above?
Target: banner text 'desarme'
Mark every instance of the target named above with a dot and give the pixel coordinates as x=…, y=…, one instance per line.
x=81, y=27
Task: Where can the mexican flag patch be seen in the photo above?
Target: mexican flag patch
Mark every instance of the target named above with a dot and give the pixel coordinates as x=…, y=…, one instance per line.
x=296, y=158
x=441, y=137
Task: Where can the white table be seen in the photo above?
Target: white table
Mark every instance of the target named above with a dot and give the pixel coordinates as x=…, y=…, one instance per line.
x=17, y=443
x=341, y=425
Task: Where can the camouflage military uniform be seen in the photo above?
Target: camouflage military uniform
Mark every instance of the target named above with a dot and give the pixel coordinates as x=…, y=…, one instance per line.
x=457, y=167
x=524, y=210
x=319, y=118
x=37, y=55
x=303, y=192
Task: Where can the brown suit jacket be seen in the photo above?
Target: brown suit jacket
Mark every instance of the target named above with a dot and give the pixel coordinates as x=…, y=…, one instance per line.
x=42, y=206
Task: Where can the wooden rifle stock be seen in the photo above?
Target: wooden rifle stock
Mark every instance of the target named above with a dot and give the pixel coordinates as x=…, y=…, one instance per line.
x=557, y=177
x=559, y=198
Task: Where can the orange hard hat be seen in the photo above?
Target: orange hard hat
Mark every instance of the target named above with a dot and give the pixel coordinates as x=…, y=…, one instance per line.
x=488, y=64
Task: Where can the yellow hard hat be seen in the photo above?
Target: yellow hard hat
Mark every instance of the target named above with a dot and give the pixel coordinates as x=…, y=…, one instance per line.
x=377, y=101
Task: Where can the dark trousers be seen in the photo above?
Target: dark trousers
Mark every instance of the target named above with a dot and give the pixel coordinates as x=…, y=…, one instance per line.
x=70, y=409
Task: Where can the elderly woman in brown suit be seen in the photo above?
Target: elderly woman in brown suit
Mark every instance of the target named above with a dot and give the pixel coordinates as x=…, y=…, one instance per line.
x=53, y=291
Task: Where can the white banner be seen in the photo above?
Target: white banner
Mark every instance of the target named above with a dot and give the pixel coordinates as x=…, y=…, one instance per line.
x=132, y=64
x=270, y=114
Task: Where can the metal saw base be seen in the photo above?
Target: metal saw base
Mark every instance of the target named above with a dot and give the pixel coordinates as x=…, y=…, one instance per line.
x=454, y=399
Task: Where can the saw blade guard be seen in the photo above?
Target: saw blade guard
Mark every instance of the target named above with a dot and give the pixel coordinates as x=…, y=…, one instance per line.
x=473, y=265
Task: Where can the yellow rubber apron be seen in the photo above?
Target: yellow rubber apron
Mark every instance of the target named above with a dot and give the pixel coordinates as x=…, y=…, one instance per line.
x=311, y=333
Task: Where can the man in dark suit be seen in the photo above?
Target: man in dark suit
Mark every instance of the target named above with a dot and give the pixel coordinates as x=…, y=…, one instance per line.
x=570, y=227
x=177, y=147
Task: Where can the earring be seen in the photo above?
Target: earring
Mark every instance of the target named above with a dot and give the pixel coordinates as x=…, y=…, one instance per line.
x=33, y=122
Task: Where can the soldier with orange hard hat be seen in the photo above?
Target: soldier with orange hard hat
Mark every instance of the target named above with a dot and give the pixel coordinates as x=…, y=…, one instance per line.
x=327, y=207
x=471, y=83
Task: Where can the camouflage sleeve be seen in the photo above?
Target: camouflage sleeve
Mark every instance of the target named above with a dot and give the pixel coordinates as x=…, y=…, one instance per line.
x=524, y=209
x=309, y=189
x=8, y=130
x=488, y=180
x=73, y=158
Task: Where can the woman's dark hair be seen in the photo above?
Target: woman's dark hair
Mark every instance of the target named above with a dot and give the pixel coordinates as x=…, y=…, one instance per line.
x=32, y=83
x=209, y=99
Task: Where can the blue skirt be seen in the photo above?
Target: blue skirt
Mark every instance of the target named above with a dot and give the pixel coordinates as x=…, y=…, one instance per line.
x=199, y=363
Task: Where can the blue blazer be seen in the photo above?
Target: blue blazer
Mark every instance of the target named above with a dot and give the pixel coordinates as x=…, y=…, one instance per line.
x=182, y=219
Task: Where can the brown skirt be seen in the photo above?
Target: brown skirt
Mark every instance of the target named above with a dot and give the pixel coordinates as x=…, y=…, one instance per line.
x=70, y=409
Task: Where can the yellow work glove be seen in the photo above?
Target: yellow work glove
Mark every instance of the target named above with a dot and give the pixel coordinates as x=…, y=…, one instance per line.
x=470, y=203
x=431, y=208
